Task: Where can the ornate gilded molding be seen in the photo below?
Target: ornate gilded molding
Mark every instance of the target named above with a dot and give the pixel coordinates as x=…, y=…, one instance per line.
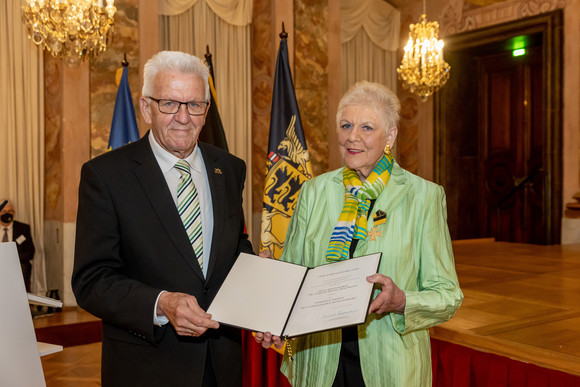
x=454, y=19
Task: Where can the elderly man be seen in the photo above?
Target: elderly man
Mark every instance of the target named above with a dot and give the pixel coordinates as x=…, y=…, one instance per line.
x=160, y=224
x=19, y=233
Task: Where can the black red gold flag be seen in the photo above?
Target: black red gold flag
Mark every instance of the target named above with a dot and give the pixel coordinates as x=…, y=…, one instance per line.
x=213, y=130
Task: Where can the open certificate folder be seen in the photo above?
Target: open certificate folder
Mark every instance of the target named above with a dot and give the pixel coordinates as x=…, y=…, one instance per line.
x=267, y=295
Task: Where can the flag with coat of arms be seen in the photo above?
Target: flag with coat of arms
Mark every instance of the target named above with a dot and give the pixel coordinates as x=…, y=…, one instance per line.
x=288, y=162
x=287, y=168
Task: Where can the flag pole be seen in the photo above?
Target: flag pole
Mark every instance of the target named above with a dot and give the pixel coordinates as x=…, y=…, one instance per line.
x=209, y=62
x=283, y=34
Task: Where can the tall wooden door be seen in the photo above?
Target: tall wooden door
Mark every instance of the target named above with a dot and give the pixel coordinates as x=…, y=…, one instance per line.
x=498, y=132
x=511, y=147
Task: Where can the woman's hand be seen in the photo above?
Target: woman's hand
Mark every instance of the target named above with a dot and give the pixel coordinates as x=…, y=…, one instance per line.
x=267, y=339
x=390, y=299
x=265, y=254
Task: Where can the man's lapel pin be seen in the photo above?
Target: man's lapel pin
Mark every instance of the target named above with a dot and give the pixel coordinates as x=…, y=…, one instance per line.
x=218, y=171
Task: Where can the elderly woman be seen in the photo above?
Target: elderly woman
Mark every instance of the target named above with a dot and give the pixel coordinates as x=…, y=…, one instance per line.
x=373, y=205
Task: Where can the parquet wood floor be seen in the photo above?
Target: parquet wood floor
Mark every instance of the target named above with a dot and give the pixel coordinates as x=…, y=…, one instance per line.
x=78, y=366
x=521, y=301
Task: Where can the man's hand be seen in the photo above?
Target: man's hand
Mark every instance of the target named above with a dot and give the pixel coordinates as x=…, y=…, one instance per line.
x=184, y=313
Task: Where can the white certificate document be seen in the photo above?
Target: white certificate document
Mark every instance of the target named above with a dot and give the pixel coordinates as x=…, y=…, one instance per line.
x=267, y=295
x=334, y=295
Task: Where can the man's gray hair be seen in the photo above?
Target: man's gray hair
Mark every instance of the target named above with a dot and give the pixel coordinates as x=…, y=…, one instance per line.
x=373, y=95
x=173, y=61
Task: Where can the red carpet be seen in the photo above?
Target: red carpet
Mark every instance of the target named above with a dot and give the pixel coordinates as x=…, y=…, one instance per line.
x=71, y=334
x=453, y=365
x=458, y=366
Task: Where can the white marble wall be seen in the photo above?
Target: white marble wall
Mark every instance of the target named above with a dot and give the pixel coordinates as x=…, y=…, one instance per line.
x=59, y=245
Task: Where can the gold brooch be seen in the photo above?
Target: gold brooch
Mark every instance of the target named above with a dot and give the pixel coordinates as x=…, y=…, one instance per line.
x=379, y=217
x=374, y=234
x=218, y=171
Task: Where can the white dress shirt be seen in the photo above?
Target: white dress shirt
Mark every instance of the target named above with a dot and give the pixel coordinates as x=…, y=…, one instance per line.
x=167, y=162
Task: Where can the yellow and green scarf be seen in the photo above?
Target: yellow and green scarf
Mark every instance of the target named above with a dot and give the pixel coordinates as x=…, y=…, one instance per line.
x=352, y=222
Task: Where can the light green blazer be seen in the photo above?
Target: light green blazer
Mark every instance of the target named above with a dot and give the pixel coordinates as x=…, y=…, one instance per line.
x=394, y=349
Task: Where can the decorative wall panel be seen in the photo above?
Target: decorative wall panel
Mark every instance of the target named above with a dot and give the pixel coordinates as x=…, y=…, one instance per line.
x=103, y=88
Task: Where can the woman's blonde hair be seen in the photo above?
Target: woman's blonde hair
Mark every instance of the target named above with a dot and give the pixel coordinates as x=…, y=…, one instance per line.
x=374, y=95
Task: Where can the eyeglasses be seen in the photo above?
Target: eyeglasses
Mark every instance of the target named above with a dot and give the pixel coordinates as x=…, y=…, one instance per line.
x=168, y=106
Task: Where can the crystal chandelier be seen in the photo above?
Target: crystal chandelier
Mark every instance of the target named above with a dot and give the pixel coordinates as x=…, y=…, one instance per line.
x=70, y=29
x=423, y=69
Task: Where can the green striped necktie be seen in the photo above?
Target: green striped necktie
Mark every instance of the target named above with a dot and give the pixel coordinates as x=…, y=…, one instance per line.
x=189, y=210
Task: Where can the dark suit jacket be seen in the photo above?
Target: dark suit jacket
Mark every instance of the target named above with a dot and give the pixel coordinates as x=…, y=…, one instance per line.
x=131, y=244
x=25, y=249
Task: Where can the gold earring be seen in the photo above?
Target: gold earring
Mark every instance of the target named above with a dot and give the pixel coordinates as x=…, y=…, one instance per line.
x=387, y=149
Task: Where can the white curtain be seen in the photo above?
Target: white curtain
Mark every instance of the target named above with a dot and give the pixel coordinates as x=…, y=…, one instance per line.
x=22, y=140
x=236, y=12
x=224, y=27
x=369, y=34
